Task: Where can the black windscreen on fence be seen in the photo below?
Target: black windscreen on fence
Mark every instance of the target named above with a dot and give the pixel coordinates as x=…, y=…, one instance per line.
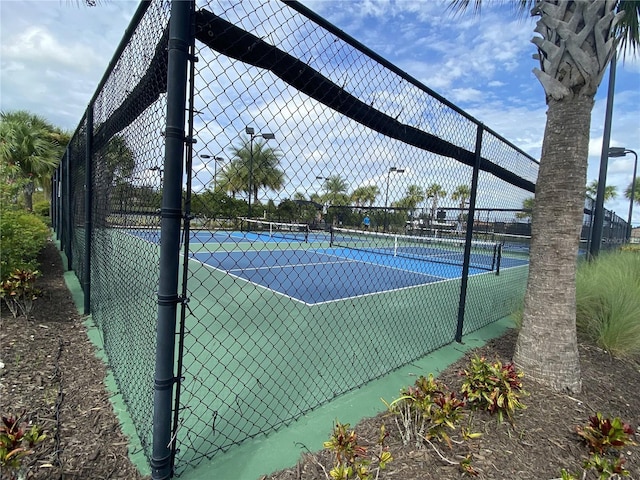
x=339, y=220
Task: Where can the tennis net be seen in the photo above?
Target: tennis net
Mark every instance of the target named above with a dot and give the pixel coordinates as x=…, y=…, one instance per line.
x=288, y=231
x=450, y=251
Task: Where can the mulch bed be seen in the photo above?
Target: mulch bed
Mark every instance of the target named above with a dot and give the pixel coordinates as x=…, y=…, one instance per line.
x=52, y=374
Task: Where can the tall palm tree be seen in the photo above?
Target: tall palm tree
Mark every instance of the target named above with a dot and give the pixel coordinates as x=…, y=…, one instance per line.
x=414, y=196
x=365, y=195
x=461, y=194
x=262, y=168
x=435, y=192
x=335, y=188
x=576, y=41
x=636, y=194
x=33, y=146
x=610, y=191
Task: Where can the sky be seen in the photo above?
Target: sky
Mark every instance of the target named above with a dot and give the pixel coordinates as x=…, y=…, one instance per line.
x=54, y=53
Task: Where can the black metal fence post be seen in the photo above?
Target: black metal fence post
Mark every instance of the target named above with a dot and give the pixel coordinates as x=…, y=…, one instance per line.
x=53, y=201
x=171, y=213
x=88, y=223
x=59, y=201
x=469, y=234
x=66, y=208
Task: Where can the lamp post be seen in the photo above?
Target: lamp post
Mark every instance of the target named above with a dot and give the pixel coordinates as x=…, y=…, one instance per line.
x=621, y=152
x=159, y=170
x=252, y=134
x=215, y=165
x=386, y=198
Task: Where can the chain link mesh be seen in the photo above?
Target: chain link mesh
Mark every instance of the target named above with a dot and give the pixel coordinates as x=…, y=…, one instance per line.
x=304, y=141
x=279, y=322
x=127, y=156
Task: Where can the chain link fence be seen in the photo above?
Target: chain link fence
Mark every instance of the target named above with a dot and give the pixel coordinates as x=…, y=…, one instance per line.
x=107, y=211
x=338, y=220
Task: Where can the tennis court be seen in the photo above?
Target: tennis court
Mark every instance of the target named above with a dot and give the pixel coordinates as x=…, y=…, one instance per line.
x=316, y=267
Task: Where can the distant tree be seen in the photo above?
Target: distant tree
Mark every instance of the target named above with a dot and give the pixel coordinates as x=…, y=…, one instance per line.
x=116, y=163
x=263, y=166
x=527, y=205
x=636, y=195
x=435, y=192
x=414, y=196
x=365, y=195
x=335, y=188
x=461, y=194
x=610, y=191
x=299, y=196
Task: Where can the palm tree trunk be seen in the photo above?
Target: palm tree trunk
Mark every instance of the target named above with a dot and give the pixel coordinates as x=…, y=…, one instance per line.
x=28, y=195
x=547, y=347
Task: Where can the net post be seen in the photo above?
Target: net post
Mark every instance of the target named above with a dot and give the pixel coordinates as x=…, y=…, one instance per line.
x=498, y=259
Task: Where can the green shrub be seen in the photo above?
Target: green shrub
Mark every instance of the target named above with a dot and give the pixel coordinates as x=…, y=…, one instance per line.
x=22, y=236
x=41, y=208
x=608, y=302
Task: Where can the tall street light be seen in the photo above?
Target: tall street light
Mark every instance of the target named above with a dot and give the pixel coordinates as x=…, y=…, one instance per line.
x=386, y=198
x=215, y=165
x=621, y=152
x=252, y=134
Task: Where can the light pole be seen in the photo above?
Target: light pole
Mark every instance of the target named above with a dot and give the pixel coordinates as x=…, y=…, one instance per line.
x=159, y=170
x=386, y=197
x=215, y=165
x=252, y=134
x=621, y=152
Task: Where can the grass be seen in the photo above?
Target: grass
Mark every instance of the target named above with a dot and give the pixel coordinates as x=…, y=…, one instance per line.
x=608, y=302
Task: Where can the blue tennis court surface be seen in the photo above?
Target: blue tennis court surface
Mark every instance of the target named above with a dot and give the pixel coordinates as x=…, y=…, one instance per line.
x=315, y=276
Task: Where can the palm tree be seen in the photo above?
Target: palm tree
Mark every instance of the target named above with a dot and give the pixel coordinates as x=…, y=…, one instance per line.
x=261, y=168
x=636, y=194
x=435, y=192
x=415, y=195
x=461, y=194
x=365, y=195
x=33, y=146
x=335, y=188
x=575, y=45
x=527, y=205
x=610, y=191
x=232, y=178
